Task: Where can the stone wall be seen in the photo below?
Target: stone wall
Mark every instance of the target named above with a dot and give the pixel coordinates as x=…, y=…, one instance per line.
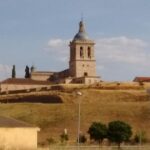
x=41, y=76
x=87, y=80
x=15, y=87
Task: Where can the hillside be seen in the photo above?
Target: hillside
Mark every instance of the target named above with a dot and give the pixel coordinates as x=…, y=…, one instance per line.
x=132, y=106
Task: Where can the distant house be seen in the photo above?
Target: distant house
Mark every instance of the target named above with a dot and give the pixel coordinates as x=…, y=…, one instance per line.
x=141, y=79
x=15, y=134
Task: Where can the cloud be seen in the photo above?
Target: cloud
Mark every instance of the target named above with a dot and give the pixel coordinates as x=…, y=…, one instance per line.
x=130, y=55
x=58, y=49
x=123, y=58
x=57, y=43
x=5, y=71
x=122, y=50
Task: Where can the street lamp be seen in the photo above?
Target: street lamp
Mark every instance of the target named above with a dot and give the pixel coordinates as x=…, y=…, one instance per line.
x=79, y=102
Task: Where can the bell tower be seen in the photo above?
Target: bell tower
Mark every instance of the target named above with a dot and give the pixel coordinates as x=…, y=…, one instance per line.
x=82, y=60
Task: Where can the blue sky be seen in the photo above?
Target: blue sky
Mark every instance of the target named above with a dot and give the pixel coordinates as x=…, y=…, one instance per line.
x=38, y=32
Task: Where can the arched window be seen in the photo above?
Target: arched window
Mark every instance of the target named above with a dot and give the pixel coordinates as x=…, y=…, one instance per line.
x=74, y=53
x=81, y=51
x=89, y=52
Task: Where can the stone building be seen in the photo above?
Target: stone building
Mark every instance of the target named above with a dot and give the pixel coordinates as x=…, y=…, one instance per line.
x=15, y=134
x=82, y=63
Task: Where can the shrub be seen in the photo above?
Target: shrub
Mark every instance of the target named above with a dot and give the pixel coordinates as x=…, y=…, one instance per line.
x=50, y=141
x=140, y=137
x=118, y=132
x=82, y=138
x=98, y=131
x=64, y=137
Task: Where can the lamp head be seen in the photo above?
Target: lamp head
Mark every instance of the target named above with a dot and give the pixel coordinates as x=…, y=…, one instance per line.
x=78, y=93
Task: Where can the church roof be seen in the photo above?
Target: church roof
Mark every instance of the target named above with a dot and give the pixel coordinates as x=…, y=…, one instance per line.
x=23, y=81
x=81, y=35
x=11, y=122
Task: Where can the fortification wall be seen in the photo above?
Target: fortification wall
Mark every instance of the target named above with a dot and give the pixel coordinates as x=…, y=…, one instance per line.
x=15, y=87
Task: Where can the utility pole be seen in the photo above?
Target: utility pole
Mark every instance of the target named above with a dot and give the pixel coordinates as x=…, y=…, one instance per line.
x=79, y=112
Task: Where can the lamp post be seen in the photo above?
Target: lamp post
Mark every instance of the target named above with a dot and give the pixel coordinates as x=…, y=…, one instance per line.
x=79, y=103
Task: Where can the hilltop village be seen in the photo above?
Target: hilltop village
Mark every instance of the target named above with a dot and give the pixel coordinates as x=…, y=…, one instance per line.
x=25, y=115
x=82, y=69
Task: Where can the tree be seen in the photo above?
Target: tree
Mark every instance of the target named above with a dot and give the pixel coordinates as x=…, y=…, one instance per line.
x=64, y=136
x=32, y=68
x=27, y=72
x=82, y=138
x=118, y=132
x=98, y=131
x=13, y=72
x=51, y=141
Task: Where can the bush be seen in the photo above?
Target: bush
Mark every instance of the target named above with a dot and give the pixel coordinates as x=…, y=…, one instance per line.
x=51, y=141
x=82, y=138
x=64, y=137
x=140, y=137
x=98, y=131
x=118, y=132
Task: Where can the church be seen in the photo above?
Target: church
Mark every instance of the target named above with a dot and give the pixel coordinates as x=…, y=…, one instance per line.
x=82, y=63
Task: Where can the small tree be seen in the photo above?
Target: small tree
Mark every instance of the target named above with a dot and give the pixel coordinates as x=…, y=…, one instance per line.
x=64, y=136
x=32, y=68
x=118, y=132
x=13, y=72
x=140, y=137
x=98, y=131
x=82, y=138
x=27, y=72
x=50, y=141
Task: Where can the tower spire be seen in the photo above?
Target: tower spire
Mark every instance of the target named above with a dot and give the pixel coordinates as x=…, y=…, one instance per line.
x=81, y=35
x=82, y=17
x=81, y=26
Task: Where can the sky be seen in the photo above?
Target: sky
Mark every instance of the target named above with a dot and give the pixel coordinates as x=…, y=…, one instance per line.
x=38, y=32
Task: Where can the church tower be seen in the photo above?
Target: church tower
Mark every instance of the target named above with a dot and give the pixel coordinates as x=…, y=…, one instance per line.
x=82, y=60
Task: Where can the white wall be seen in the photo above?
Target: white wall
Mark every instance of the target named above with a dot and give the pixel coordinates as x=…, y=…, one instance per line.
x=18, y=138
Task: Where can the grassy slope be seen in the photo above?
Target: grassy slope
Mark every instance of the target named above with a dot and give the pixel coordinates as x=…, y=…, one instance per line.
x=97, y=105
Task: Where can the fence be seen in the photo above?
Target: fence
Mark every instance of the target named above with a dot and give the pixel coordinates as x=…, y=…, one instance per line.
x=96, y=148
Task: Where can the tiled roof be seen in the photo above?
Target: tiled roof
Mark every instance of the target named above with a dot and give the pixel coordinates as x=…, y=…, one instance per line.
x=50, y=72
x=142, y=79
x=24, y=81
x=10, y=122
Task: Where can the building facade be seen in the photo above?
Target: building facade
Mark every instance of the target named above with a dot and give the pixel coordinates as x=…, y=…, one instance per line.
x=15, y=134
x=82, y=59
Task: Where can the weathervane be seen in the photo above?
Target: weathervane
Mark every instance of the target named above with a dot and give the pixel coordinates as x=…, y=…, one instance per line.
x=82, y=17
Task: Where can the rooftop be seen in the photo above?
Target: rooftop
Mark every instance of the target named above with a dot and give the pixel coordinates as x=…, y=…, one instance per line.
x=11, y=122
x=81, y=35
x=24, y=81
x=141, y=79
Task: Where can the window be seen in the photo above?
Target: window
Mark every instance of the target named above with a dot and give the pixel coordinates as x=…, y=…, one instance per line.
x=81, y=51
x=89, y=52
x=85, y=74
